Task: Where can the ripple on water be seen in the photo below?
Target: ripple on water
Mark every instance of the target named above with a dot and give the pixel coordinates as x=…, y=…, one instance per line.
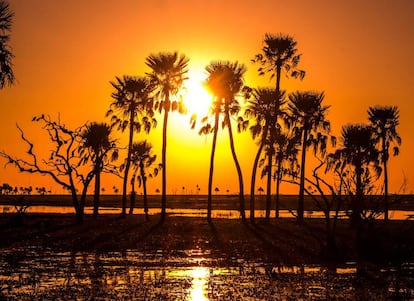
x=35, y=274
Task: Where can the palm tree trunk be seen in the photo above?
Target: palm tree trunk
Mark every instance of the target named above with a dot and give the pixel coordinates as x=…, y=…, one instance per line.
x=278, y=180
x=210, y=176
x=385, y=159
x=164, y=160
x=278, y=72
x=132, y=197
x=358, y=200
x=253, y=181
x=128, y=164
x=301, y=202
x=386, y=205
x=97, y=190
x=144, y=187
x=238, y=168
x=269, y=182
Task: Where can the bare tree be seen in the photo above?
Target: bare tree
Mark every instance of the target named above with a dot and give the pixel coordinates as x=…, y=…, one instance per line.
x=65, y=164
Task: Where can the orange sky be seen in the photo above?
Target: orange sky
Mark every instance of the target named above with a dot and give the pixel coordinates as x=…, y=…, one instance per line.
x=358, y=52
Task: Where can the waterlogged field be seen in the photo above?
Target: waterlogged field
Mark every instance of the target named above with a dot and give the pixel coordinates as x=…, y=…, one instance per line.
x=48, y=257
x=38, y=274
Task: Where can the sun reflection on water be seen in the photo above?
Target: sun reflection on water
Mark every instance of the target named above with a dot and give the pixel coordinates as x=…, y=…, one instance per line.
x=198, y=290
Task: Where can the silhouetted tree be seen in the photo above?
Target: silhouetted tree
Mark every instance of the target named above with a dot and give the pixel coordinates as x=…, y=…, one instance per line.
x=142, y=159
x=384, y=121
x=132, y=110
x=358, y=150
x=279, y=54
x=65, y=164
x=97, y=138
x=309, y=116
x=265, y=108
x=6, y=56
x=225, y=82
x=168, y=73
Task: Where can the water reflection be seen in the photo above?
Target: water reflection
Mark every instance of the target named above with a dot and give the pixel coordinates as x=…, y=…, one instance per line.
x=198, y=290
x=227, y=214
x=36, y=274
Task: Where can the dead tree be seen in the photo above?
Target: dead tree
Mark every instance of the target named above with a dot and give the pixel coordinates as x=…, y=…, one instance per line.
x=65, y=164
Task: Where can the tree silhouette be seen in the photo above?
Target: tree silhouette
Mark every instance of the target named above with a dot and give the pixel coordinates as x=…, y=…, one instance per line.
x=168, y=73
x=142, y=159
x=225, y=82
x=132, y=110
x=308, y=114
x=384, y=121
x=65, y=163
x=6, y=56
x=264, y=109
x=358, y=150
x=97, y=138
x=279, y=54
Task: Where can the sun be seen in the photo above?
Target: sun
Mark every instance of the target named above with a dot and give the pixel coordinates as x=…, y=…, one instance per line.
x=196, y=97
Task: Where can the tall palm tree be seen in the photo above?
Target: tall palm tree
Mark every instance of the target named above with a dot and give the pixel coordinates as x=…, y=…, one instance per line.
x=132, y=110
x=142, y=158
x=264, y=109
x=225, y=82
x=6, y=56
x=384, y=121
x=358, y=150
x=279, y=54
x=96, y=137
x=168, y=73
x=309, y=116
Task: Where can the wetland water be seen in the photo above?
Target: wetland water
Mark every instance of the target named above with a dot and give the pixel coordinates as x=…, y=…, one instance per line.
x=228, y=214
x=39, y=274
x=35, y=273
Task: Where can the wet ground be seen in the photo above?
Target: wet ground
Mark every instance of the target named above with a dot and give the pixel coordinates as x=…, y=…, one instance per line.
x=192, y=274
x=49, y=257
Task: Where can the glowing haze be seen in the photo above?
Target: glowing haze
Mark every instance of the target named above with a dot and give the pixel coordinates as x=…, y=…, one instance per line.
x=66, y=52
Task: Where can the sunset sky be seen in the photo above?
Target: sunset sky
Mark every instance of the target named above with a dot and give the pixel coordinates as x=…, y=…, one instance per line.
x=360, y=53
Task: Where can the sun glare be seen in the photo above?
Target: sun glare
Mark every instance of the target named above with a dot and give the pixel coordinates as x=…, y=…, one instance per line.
x=196, y=97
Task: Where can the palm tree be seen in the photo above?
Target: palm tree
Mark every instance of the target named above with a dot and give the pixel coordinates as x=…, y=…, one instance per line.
x=225, y=82
x=142, y=159
x=131, y=101
x=6, y=20
x=279, y=53
x=168, y=73
x=265, y=109
x=309, y=116
x=384, y=121
x=358, y=150
x=96, y=137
